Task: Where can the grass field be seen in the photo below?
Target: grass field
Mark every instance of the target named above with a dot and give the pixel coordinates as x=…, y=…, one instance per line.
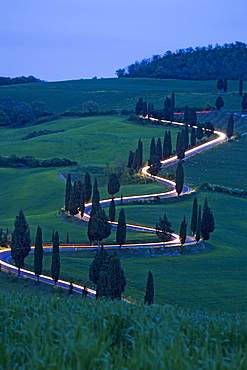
x=75, y=333
x=122, y=93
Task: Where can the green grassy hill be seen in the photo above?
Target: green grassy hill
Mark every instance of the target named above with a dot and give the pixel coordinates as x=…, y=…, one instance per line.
x=122, y=93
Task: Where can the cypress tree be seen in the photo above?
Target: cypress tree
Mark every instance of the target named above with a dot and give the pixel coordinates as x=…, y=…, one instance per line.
x=136, y=160
x=112, y=211
x=165, y=146
x=219, y=103
x=67, y=238
x=113, y=185
x=140, y=151
x=180, y=148
x=99, y=263
x=149, y=111
x=82, y=200
x=182, y=232
x=73, y=206
x=20, y=242
x=186, y=114
x=77, y=193
x=87, y=187
x=130, y=160
x=95, y=197
x=152, y=147
x=192, y=117
x=52, y=236
x=38, y=253
x=186, y=136
x=116, y=278
x=198, y=225
x=194, y=216
x=207, y=222
x=230, y=126
x=169, y=142
x=145, y=109
x=193, y=137
x=244, y=102
x=68, y=191
x=155, y=165
x=99, y=227
x=121, y=228
x=55, y=262
x=102, y=290
x=159, y=149
x=139, y=106
x=179, y=178
x=149, y=295
x=167, y=109
x=164, y=229
x=240, y=88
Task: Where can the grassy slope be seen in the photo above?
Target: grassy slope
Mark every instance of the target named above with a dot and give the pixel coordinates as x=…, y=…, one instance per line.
x=122, y=93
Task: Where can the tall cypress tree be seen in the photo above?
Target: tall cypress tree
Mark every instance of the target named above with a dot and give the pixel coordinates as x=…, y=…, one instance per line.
x=102, y=290
x=220, y=84
x=198, y=225
x=140, y=151
x=68, y=191
x=194, y=216
x=182, y=232
x=99, y=263
x=130, y=160
x=192, y=117
x=193, y=137
x=38, y=253
x=207, y=222
x=121, y=228
x=20, y=242
x=180, y=148
x=186, y=136
x=152, y=147
x=179, y=178
x=240, y=88
x=145, y=109
x=165, y=147
x=172, y=107
x=139, y=106
x=113, y=185
x=186, y=114
x=159, y=149
x=82, y=200
x=112, y=210
x=95, y=197
x=149, y=295
x=88, y=187
x=99, y=227
x=116, y=278
x=169, y=142
x=73, y=201
x=136, y=160
x=55, y=262
x=230, y=126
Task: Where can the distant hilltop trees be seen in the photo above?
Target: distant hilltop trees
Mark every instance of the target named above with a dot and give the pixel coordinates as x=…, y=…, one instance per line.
x=201, y=63
x=18, y=80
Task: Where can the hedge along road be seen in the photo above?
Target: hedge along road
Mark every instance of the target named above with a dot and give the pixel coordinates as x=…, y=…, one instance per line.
x=5, y=255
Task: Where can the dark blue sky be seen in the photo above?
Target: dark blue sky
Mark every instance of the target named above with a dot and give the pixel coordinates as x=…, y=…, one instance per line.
x=72, y=39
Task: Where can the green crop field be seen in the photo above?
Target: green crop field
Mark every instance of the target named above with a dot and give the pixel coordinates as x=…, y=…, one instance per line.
x=121, y=93
x=42, y=331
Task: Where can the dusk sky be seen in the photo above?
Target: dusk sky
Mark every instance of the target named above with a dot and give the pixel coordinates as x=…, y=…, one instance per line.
x=72, y=39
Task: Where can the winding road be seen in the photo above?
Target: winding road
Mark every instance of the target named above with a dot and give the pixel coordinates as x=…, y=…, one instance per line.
x=5, y=255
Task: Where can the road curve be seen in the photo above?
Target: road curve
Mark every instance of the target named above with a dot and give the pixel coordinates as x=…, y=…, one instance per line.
x=5, y=255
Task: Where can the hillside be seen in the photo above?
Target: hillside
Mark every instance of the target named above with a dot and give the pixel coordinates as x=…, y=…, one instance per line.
x=201, y=63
